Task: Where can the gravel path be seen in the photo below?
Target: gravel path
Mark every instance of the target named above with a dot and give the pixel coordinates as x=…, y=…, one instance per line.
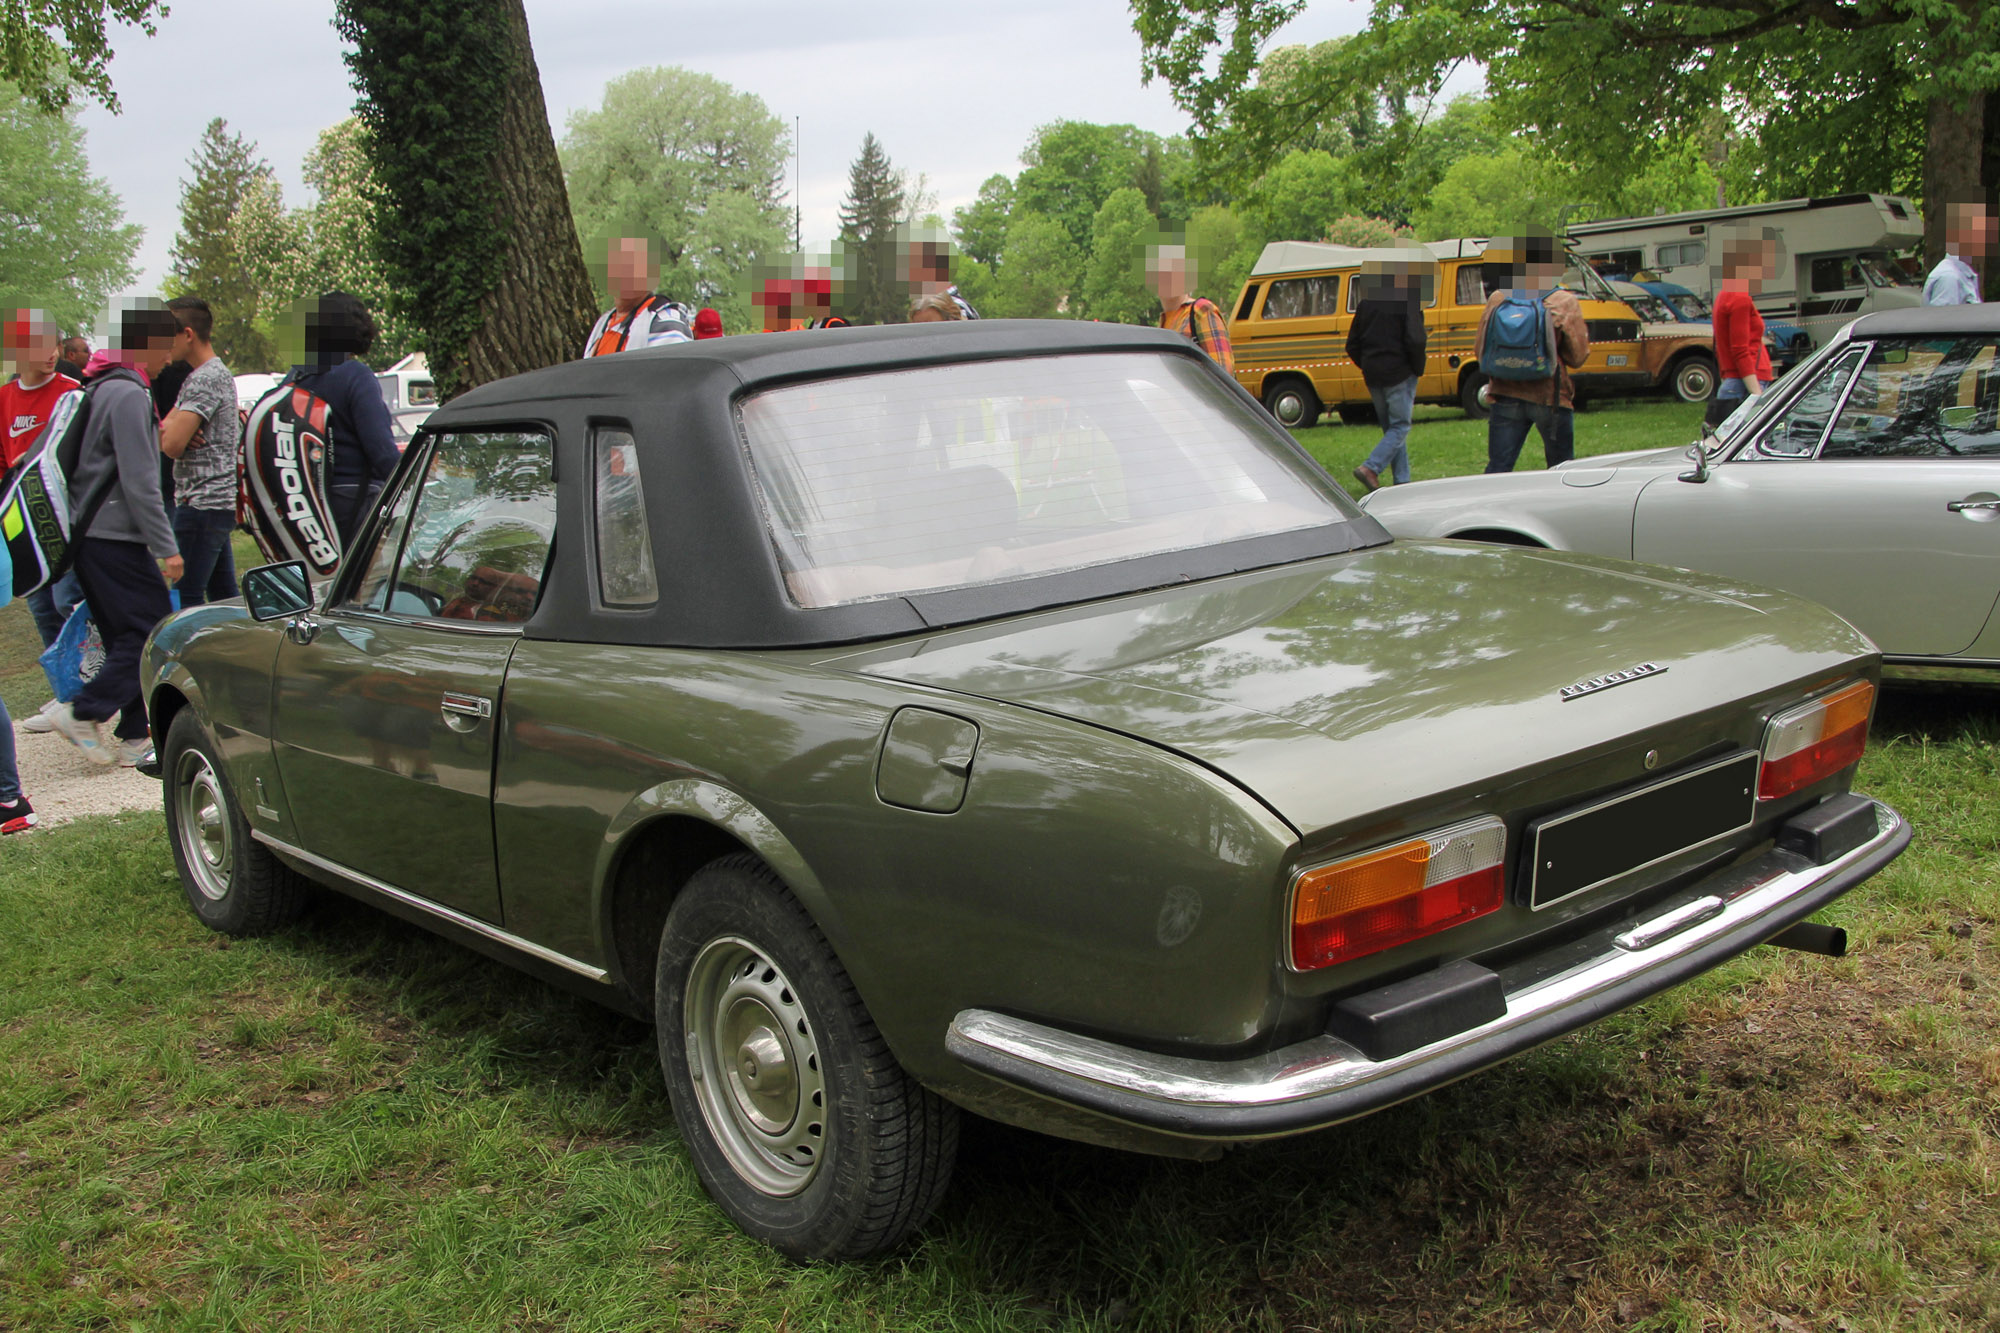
x=62, y=785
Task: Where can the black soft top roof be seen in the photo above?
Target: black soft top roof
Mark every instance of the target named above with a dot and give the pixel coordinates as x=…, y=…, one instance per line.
x=720, y=582
x=1928, y=321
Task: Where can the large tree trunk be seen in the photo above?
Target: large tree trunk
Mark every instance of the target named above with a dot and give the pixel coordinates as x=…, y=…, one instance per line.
x=1954, y=153
x=541, y=310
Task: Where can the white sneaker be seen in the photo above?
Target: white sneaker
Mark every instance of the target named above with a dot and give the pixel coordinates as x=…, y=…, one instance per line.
x=85, y=736
x=40, y=721
x=131, y=752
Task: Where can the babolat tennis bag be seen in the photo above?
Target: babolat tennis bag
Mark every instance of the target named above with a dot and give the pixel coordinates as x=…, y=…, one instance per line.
x=1520, y=340
x=39, y=518
x=282, y=495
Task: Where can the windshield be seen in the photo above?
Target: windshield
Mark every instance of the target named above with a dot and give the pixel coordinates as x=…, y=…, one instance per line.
x=1581, y=278
x=1692, y=308
x=956, y=476
x=1800, y=371
x=1883, y=271
x=1649, y=308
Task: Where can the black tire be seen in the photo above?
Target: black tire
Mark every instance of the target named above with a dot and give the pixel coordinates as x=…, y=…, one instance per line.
x=840, y=1156
x=1694, y=379
x=1468, y=395
x=234, y=884
x=1292, y=401
x=1356, y=414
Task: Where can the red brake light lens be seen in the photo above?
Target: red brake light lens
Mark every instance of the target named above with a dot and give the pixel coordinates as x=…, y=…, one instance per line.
x=1814, y=741
x=1396, y=894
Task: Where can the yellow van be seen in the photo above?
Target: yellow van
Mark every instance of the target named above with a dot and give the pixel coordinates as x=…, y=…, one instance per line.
x=1289, y=330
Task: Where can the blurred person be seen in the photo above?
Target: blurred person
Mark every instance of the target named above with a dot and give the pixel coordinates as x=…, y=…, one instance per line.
x=939, y=305
x=1386, y=342
x=927, y=268
x=639, y=316
x=74, y=356
x=339, y=332
x=1741, y=358
x=201, y=433
x=32, y=347
x=16, y=814
x=1969, y=236
x=707, y=323
x=1171, y=273
x=1525, y=271
x=126, y=547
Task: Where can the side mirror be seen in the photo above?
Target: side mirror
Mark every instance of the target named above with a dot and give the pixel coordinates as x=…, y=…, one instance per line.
x=273, y=592
x=1698, y=455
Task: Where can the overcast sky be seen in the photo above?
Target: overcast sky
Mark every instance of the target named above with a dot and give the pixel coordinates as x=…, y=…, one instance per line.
x=952, y=89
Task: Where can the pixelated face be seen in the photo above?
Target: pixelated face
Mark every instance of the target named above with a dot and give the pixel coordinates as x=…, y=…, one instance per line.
x=628, y=267
x=1169, y=274
x=1971, y=228
x=32, y=347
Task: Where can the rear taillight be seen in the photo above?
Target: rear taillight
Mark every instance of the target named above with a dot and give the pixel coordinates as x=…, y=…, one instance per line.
x=1815, y=740
x=1390, y=896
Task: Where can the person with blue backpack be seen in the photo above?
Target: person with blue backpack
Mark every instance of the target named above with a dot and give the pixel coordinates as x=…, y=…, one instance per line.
x=1531, y=335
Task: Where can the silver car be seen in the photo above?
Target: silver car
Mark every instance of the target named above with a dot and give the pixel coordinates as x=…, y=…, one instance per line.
x=1867, y=478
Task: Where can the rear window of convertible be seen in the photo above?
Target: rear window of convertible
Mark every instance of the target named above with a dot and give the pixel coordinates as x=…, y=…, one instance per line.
x=983, y=472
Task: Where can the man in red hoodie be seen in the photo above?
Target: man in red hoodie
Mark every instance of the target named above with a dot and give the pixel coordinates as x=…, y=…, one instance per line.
x=32, y=344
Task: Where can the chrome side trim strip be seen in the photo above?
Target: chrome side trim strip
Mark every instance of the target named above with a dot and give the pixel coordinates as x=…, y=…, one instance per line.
x=1753, y=898
x=438, y=910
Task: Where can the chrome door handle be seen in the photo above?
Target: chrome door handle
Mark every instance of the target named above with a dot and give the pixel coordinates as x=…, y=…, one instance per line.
x=302, y=630
x=466, y=705
x=1960, y=506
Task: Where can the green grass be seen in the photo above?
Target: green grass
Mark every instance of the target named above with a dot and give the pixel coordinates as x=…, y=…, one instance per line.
x=356, y=1126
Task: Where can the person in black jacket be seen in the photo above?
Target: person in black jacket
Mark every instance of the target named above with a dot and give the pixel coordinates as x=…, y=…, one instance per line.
x=339, y=331
x=1386, y=342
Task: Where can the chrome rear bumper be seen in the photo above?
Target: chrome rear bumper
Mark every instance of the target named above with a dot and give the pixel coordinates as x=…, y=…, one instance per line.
x=1324, y=1080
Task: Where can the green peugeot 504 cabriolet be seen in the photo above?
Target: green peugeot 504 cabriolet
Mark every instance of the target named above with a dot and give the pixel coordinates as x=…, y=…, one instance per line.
x=1003, y=717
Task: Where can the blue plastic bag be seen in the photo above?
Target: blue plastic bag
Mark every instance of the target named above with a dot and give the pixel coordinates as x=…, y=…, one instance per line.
x=73, y=660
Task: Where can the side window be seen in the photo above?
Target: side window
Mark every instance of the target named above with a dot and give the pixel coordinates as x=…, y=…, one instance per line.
x=1796, y=434
x=1675, y=254
x=480, y=532
x=1836, y=273
x=1299, y=298
x=1428, y=288
x=1249, y=301
x=1928, y=398
x=625, y=574
x=1471, y=285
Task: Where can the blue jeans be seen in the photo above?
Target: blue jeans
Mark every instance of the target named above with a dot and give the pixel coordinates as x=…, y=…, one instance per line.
x=209, y=568
x=1507, y=431
x=51, y=606
x=10, y=776
x=1393, y=406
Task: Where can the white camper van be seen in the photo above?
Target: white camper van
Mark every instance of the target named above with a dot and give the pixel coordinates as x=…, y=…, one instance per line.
x=1838, y=259
x=408, y=384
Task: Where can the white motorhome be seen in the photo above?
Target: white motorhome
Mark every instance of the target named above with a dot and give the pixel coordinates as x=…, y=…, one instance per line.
x=408, y=384
x=1838, y=260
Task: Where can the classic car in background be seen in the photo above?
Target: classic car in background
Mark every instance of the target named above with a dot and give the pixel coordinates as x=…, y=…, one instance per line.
x=1003, y=716
x=1788, y=342
x=1868, y=478
x=1678, y=354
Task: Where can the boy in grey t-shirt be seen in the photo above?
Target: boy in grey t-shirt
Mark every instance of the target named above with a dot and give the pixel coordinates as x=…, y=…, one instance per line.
x=201, y=435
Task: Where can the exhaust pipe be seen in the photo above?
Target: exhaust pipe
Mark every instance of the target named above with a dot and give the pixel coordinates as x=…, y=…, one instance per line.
x=1811, y=937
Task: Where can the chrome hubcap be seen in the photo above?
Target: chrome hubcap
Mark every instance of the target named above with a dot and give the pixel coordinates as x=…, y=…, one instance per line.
x=203, y=822
x=756, y=1066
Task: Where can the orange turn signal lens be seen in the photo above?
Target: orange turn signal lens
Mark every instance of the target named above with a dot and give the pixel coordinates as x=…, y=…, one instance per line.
x=1814, y=741
x=1392, y=895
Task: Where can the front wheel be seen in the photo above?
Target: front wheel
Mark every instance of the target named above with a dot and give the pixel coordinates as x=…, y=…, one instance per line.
x=234, y=884
x=802, y=1126
x=1694, y=379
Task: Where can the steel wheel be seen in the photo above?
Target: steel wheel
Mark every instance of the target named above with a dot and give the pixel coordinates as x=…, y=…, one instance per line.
x=208, y=846
x=1694, y=379
x=1293, y=403
x=756, y=1066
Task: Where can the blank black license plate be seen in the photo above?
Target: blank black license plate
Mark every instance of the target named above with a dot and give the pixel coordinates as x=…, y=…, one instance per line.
x=1595, y=844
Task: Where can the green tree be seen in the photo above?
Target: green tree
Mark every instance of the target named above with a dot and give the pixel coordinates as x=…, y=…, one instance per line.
x=331, y=245
x=64, y=243
x=1225, y=247
x=1114, y=280
x=868, y=218
x=1499, y=192
x=50, y=49
x=688, y=159
x=205, y=261
x=1297, y=198
x=1038, y=271
x=475, y=228
x=1072, y=167
x=1366, y=232
x=981, y=226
